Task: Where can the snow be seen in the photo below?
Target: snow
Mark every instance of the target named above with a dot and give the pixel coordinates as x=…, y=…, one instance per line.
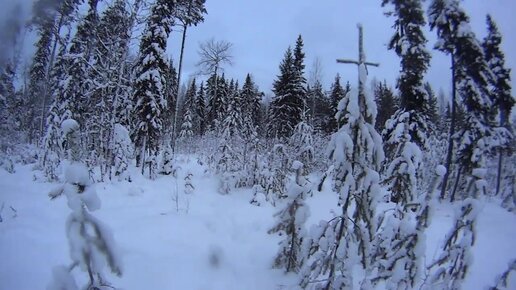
x=440, y=170
x=69, y=125
x=212, y=241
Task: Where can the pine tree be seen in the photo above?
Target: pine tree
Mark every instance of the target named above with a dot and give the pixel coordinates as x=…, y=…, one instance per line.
x=503, y=99
x=149, y=94
x=288, y=103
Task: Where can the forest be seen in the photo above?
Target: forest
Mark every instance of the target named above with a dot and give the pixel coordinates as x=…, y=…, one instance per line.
x=364, y=184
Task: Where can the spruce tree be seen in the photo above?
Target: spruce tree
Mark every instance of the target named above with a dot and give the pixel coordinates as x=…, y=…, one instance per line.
x=288, y=103
x=200, y=109
x=503, y=99
x=471, y=75
x=409, y=44
x=337, y=93
x=188, y=124
x=251, y=101
x=149, y=95
x=216, y=92
x=387, y=104
x=471, y=80
x=229, y=156
x=356, y=152
x=320, y=112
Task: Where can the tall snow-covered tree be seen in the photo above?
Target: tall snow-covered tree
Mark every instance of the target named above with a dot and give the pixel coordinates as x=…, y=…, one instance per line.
x=229, y=155
x=356, y=153
x=288, y=103
x=471, y=75
x=171, y=96
x=200, y=109
x=471, y=80
x=216, y=93
x=251, y=101
x=111, y=91
x=149, y=88
x=409, y=42
x=188, y=122
x=503, y=99
x=49, y=18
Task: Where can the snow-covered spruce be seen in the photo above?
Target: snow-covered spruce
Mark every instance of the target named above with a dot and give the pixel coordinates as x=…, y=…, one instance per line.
x=402, y=174
x=302, y=144
x=290, y=222
x=91, y=242
x=122, y=153
x=480, y=135
x=356, y=152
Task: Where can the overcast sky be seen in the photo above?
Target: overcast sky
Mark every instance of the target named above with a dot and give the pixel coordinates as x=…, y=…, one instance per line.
x=261, y=31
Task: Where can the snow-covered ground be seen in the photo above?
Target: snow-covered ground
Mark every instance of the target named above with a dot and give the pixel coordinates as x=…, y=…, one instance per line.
x=205, y=241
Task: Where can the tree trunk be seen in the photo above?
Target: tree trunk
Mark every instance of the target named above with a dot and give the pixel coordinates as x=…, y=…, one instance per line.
x=449, y=154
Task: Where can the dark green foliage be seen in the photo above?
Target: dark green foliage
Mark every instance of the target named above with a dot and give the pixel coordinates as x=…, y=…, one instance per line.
x=387, y=104
x=200, y=109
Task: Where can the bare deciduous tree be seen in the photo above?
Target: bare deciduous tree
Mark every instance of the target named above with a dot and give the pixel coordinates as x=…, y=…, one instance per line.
x=213, y=54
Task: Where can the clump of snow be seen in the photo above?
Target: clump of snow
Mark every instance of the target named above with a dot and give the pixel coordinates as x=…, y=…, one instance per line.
x=68, y=126
x=296, y=165
x=440, y=170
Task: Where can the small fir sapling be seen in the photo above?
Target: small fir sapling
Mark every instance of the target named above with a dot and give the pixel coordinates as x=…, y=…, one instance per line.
x=189, y=188
x=91, y=242
x=290, y=222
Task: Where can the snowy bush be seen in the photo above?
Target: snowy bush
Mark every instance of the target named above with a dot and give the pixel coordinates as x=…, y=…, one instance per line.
x=123, y=152
x=91, y=243
x=166, y=165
